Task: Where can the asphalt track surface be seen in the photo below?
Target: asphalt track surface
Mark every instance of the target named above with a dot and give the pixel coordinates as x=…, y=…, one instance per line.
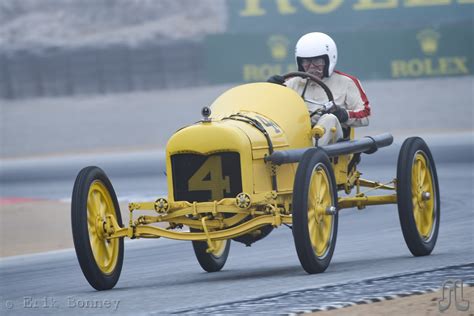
x=163, y=276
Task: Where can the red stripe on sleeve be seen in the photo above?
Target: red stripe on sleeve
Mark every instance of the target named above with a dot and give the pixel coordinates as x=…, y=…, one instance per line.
x=361, y=113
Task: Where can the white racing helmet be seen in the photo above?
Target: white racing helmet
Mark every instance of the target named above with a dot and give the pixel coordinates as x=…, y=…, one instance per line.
x=317, y=44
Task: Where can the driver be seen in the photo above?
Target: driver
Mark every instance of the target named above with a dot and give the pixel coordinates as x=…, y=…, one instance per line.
x=316, y=54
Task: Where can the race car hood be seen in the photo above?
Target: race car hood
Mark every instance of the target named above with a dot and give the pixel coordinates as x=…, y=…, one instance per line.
x=275, y=103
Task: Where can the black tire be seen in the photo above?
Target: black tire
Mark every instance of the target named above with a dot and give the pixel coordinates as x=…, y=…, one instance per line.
x=314, y=161
x=208, y=261
x=412, y=200
x=99, y=278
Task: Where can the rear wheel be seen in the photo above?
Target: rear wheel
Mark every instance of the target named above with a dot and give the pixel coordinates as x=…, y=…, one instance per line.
x=93, y=200
x=315, y=216
x=418, y=196
x=215, y=260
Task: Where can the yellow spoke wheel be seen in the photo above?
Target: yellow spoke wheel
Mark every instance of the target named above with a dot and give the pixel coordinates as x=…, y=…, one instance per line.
x=314, y=212
x=211, y=261
x=99, y=205
x=93, y=203
x=422, y=191
x=319, y=223
x=418, y=196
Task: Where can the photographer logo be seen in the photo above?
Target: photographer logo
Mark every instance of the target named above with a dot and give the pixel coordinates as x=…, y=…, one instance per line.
x=450, y=287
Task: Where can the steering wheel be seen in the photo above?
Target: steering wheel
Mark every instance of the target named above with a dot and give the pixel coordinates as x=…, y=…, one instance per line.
x=315, y=79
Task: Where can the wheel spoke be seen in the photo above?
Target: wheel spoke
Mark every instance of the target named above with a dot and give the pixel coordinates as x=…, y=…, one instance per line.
x=430, y=207
x=424, y=171
x=312, y=202
x=96, y=202
x=325, y=196
x=314, y=241
x=323, y=238
x=106, y=252
x=110, y=252
x=318, y=179
x=312, y=189
x=96, y=244
x=328, y=222
x=425, y=226
x=427, y=185
x=419, y=170
x=318, y=234
x=90, y=205
x=311, y=225
x=416, y=211
x=91, y=220
x=414, y=180
x=428, y=216
x=102, y=207
x=323, y=191
x=323, y=229
x=100, y=252
x=414, y=175
x=93, y=237
x=329, y=225
x=93, y=198
x=414, y=201
x=326, y=202
x=312, y=213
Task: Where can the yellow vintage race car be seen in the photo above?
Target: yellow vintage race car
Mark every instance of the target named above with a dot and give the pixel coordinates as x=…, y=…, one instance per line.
x=251, y=165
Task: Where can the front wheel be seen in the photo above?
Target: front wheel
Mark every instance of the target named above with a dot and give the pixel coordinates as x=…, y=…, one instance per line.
x=215, y=260
x=315, y=216
x=418, y=196
x=93, y=201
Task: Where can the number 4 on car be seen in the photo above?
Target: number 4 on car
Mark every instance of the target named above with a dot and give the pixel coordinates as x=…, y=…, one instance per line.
x=249, y=166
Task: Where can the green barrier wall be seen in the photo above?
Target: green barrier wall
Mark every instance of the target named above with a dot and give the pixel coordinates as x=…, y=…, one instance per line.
x=426, y=52
x=376, y=39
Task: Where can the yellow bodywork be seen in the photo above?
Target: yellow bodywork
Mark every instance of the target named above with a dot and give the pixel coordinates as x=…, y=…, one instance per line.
x=288, y=127
x=266, y=189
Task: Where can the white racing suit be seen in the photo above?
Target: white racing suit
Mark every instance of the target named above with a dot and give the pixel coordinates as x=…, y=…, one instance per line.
x=347, y=92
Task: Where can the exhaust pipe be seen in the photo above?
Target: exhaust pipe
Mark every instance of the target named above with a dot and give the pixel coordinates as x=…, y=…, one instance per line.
x=367, y=145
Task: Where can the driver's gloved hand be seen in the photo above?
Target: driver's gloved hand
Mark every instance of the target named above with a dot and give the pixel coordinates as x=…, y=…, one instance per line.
x=340, y=113
x=277, y=79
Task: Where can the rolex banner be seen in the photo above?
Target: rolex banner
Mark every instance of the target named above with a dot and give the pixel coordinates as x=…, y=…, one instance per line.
x=369, y=54
x=263, y=16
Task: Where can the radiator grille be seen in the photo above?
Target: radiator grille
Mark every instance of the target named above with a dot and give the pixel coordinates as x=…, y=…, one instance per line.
x=202, y=178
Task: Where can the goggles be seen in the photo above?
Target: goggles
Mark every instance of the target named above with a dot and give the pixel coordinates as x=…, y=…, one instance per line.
x=316, y=61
